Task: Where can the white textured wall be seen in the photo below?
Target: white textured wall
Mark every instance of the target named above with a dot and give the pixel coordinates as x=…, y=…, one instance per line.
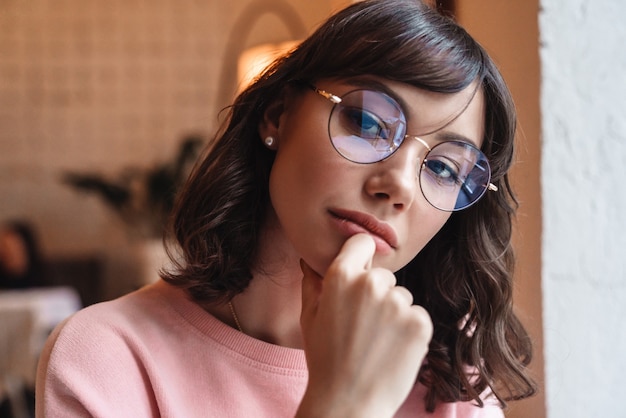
x=583, y=99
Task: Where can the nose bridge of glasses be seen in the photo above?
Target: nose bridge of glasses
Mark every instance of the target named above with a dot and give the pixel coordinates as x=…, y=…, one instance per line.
x=420, y=140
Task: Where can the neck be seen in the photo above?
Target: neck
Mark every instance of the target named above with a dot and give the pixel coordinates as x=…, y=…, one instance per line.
x=269, y=309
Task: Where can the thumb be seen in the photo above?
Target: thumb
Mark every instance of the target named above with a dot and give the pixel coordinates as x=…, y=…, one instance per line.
x=311, y=289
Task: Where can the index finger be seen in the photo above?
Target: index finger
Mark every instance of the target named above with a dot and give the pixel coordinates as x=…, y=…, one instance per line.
x=357, y=252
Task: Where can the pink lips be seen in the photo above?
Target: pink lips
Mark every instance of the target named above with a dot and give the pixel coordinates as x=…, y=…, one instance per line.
x=351, y=223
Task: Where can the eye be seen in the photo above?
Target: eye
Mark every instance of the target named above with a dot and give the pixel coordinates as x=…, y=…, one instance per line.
x=443, y=170
x=363, y=124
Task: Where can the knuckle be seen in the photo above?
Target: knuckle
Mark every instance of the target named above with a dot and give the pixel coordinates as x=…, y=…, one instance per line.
x=422, y=323
x=338, y=269
x=402, y=295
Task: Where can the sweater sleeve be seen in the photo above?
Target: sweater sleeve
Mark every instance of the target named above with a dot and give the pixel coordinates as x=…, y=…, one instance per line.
x=88, y=369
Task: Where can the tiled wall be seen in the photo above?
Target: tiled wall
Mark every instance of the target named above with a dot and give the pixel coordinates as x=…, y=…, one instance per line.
x=101, y=85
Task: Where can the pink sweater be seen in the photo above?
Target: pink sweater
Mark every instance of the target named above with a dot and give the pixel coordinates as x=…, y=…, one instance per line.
x=156, y=353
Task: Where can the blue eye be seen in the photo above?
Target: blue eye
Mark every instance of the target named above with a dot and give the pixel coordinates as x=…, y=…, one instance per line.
x=364, y=124
x=442, y=172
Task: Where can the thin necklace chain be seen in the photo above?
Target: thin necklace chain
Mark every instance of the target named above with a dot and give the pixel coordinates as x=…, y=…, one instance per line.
x=232, y=311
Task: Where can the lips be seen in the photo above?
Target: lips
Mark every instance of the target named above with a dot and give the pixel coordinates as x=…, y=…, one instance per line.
x=367, y=223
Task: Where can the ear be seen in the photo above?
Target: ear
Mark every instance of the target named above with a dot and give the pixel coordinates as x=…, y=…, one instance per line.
x=268, y=126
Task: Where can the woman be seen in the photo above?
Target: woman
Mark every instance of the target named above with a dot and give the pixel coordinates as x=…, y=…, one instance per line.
x=380, y=145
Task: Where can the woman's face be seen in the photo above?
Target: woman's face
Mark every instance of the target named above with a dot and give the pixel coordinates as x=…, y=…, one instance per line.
x=320, y=198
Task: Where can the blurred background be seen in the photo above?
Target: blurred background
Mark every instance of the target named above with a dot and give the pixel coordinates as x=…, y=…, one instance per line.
x=104, y=104
x=114, y=88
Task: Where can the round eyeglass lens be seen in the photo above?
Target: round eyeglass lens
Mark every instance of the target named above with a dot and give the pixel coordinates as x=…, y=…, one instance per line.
x=454, y=175
x=366, y=126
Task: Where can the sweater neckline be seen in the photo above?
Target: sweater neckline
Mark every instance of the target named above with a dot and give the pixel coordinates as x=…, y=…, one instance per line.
x=257, y=352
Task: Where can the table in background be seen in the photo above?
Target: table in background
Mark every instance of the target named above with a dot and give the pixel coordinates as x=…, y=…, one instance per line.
x=26, y=318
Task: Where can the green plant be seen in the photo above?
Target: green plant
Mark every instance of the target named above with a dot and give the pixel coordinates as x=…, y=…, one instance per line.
x=143, y=198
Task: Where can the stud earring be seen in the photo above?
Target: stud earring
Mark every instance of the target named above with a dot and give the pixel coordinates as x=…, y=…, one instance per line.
x=269, y=141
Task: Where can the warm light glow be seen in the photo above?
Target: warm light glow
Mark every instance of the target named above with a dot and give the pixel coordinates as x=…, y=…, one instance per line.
x=253, y=61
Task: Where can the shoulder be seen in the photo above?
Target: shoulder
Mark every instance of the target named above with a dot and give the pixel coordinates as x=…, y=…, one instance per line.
x=97, y=331
x=102, y=353
x=134, y=316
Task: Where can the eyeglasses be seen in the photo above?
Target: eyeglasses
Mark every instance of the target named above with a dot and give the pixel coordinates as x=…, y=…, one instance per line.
x=367, y=126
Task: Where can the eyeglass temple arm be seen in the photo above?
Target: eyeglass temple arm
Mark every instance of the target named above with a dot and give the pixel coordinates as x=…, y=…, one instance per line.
x=324, y=93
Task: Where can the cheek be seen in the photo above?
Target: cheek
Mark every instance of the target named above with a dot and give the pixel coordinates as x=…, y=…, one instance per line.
x=296, y=194
x=294, y=176
x=307, y=177
x=428, y=224
x=296, y=181
x=305, y=164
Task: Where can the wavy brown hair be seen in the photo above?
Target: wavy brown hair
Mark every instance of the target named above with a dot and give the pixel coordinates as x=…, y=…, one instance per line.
x=463, y=277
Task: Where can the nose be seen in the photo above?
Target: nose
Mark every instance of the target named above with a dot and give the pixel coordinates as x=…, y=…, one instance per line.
x=395, y=180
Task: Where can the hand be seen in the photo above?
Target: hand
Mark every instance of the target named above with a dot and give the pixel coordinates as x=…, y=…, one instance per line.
x=364, y=341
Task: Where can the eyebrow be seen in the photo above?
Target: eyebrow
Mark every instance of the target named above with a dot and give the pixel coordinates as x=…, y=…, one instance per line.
x=370, y=83
x=447, y=136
